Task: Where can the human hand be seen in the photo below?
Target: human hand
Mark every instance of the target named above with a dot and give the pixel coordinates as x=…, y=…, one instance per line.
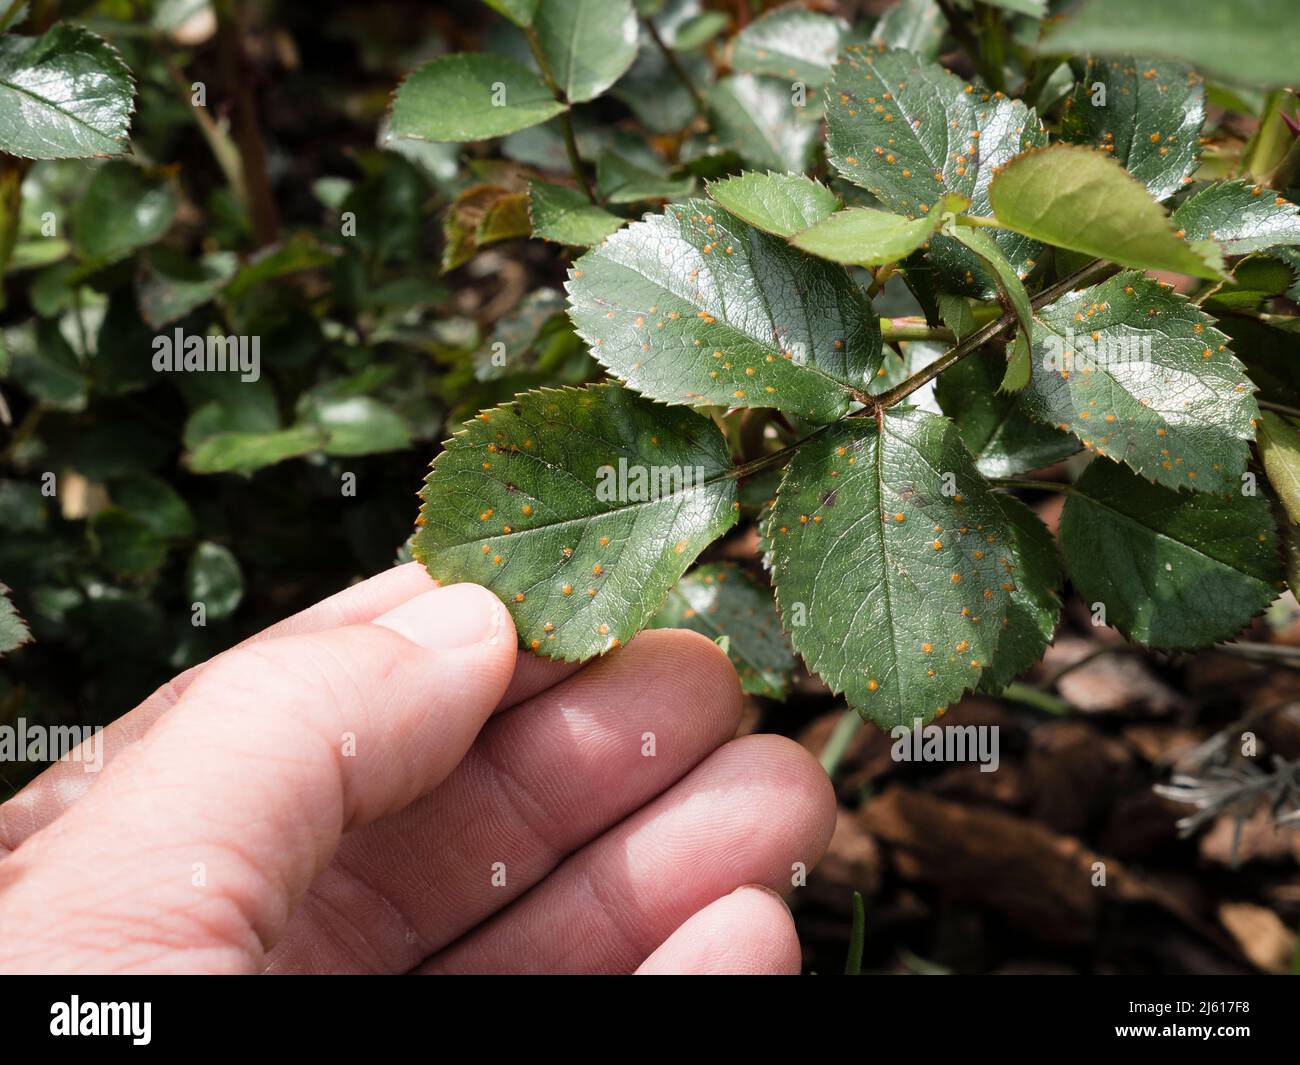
x=336, y=795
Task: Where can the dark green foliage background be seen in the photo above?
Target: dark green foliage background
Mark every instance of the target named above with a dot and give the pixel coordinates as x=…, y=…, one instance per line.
x=107, y=599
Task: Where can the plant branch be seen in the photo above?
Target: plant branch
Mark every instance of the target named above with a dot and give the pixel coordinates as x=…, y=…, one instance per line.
x=224, y=150
x=566, y=119
x=1093, y=271
x=979, y=220
x=675, y=63
x=1280, y=408
x=1031, y=485
x=238, y=76
x=914, y=329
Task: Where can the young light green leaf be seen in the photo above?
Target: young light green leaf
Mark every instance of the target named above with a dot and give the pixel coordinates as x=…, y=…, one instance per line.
x=1172, y=570
x=783, y=204
x=1013, y=294
x=699, y=308
x=588, y=44
x=722, y=600
x=1035, y=606
x=14, y=632
x=1141, y=375
x=1241, y=218
x=214, y=578
x=791, y=43
x=1080, y=199
x=580, y=508
x=758, y=118
x=566, y=216
x=470, y=98
x=863, y=236
x=123, y=208
x=1279, y=449
x=1146, y=114
x=908, y=131
x=893, y=564
x=65, y=95
x=1004, y=441
x=1246, y=42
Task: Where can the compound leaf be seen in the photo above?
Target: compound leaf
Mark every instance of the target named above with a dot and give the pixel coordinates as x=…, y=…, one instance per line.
x=580, y=508
x=699, y=308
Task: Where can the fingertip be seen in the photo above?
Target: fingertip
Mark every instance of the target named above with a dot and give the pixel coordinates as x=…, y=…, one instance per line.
x=452, y=617
x=748, y=932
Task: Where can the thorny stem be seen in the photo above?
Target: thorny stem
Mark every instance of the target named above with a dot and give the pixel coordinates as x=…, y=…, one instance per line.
x=676, y=64
x=566, y=120
x=764, y=462
x=1093, y=271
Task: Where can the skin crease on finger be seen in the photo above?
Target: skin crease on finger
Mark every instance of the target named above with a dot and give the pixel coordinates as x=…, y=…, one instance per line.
x=542, y=782
x=62, y=784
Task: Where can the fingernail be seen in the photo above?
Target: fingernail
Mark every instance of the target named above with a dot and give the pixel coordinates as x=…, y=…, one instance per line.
x=460, y=615
x=767, y=890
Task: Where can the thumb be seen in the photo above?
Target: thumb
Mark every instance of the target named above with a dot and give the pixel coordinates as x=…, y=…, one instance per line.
x=193, y=847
